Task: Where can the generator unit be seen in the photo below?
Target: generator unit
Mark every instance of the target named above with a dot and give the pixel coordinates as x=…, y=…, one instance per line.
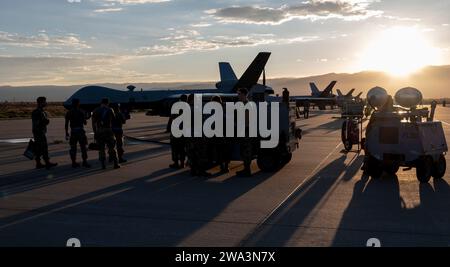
x=404, y=135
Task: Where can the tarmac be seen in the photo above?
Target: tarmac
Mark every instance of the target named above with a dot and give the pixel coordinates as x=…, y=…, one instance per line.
x=321, y=198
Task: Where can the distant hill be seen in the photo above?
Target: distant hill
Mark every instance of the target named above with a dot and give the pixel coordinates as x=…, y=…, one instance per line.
x=56, y=93
x=433, y=81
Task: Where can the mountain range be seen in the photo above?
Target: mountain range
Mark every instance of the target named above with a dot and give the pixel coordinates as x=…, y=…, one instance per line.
x=433, y=81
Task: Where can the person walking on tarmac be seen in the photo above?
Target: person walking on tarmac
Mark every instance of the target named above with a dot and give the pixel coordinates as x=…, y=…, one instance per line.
x=196, y=148
x=189, y=142
x=40, y=122
x=222, y=149
x=102, y=118
x=117, y=126
x=285, y=95
x=306, y=106
x=76, y=118
x=246, y=142
x=177, y=144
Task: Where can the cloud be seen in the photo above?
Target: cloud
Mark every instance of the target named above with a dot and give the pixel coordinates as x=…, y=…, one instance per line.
x=201, y=25
x=181, y=42
x=109, y=6
x=402, y=18
x=313, y=9
x=107, y=10
x=67, y=68
x=42, y=40
x=134, y=2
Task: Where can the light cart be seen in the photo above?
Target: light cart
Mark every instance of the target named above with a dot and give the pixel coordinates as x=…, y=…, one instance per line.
x=352, y=126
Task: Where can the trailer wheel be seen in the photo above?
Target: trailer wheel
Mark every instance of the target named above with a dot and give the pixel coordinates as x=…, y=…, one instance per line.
x=345, y=138
x=374, y=167
x=439, y=167
x=424, y=169
x=268, y=160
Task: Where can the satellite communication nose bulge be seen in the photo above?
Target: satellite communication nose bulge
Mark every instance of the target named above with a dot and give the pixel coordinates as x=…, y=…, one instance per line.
x=377, y=97
x=408, y=97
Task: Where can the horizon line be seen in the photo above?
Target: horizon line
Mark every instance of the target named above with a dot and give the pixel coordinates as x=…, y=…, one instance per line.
x=212, y=81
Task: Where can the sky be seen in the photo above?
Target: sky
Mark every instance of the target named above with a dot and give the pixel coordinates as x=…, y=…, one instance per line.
x=65, y=42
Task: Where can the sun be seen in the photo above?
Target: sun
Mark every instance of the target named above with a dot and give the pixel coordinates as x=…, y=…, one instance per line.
x=399, y=51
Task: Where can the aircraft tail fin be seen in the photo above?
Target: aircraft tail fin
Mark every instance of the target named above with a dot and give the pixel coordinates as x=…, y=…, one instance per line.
x=350, y=93
x=226, y=72
x=359, y=95
x=253, y=72
x=329, y=89
x=339, y=92
x=314, y=90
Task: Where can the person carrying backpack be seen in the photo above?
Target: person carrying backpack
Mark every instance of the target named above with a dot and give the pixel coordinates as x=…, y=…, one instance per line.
x=102, y=118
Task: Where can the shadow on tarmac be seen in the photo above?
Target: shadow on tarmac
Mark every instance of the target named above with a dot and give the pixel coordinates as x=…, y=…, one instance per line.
x=377, y=210
x=17, y=182
x=160, y=209
x=278, y=229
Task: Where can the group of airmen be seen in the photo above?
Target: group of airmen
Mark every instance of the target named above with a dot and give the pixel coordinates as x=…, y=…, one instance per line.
x=200, y=152
x=107, y=124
